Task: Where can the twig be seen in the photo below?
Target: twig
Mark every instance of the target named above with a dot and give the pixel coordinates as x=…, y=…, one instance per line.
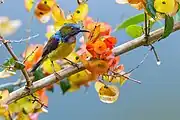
x=156, y=55
x=84, y=34
x=147, y=32
x=36, y=99
x=18, y=83
x=28, y=30
x=21, y=40
x=142, y=61
x=146, y=27
x=9, y=115
x=121, y=49
x=30, y=54
x=123, y=75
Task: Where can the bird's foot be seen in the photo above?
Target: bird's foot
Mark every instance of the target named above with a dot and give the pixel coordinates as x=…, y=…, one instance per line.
x=75, y=65
x=57, y=76
x=72, y=63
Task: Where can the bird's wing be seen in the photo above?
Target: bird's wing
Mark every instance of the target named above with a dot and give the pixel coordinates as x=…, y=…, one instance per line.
x=51, y=45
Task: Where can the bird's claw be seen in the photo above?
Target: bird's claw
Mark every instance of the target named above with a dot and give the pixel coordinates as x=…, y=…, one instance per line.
x=72, y=63
x=57, y=75
x=75, y=65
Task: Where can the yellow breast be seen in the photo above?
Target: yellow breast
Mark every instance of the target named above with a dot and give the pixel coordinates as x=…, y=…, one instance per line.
x=63, y=50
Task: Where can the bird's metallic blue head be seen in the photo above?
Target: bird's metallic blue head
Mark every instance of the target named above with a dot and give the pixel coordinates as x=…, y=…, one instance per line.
x=70, y=30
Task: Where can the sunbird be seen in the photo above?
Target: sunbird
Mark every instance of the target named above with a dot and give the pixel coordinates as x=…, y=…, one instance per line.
x=60, y=45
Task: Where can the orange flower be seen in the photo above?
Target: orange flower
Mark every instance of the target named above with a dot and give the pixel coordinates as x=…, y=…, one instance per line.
x=114, y=61
x=90, y=49
x=110, y=41
x=100, y=47
x=105, y=29
x=42, y=96
x=138, y=4
x=32, y=57
x=96, y=66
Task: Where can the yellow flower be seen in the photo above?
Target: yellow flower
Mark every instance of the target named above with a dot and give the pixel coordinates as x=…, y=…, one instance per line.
x=164, y=6
x=107, y=93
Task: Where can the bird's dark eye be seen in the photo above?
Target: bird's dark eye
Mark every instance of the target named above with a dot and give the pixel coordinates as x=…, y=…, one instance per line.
x=77, y=57
x=45, y=2
x=78, y=11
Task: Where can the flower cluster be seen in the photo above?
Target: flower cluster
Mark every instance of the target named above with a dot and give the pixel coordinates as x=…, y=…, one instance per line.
x=169, y=7
x=96, y=53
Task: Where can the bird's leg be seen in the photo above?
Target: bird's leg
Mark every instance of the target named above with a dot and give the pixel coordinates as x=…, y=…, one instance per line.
x=72, y=63
x=55, y=73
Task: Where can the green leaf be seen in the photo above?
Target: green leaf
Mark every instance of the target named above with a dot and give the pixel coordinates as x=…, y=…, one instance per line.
x=18, y=65
x=169, y=23
x=38, y=74
x=134, y=31
x=65, y=85
x=150, y=8
x=9, y=62
x=131, y=21
x=10, y=88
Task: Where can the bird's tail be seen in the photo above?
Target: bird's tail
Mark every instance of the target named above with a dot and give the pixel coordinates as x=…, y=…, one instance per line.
x=37, y=64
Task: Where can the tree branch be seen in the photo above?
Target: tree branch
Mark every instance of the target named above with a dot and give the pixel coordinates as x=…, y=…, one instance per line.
x=141, y=41
x=121, y=49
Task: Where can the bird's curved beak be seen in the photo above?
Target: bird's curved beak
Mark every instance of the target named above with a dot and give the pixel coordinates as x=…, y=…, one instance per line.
x=83, y=31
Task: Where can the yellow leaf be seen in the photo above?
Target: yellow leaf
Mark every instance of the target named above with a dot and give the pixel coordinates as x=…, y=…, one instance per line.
x=22, y=116
x=73, y=87
x=3, y=110
x=57, y=14
x=123, y=79
x=59, y=24
x=80, y=77
x=80, y=13
x=49, y=3
x=28, y=4
x=98, y=85
x=73, y=57
x=14, y=107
